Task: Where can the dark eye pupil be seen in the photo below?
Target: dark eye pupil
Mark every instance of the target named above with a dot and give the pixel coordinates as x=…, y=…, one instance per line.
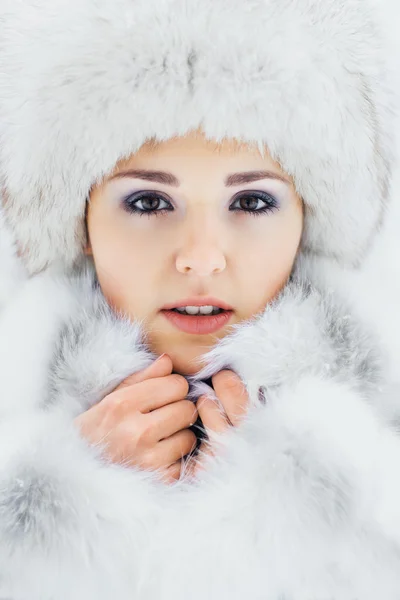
x=150, y=199
x=248, y=200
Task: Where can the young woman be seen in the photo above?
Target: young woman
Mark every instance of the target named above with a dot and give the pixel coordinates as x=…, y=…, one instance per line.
x=195, y=183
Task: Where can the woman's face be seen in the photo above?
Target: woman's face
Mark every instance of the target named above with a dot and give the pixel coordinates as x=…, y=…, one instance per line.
x=188, y=218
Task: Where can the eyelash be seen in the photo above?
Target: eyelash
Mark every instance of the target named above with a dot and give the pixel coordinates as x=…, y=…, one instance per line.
x=128, y=204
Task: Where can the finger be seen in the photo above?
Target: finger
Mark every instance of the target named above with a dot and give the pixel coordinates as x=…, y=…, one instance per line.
x=174, y=448
x=151, y=394
x=191, y=466
x=232, y=394
x=172, y=473
x=160, y=367
x=171, y=418
x=205, y=449
x=211, y=414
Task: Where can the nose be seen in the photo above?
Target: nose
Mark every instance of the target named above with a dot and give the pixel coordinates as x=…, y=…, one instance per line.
x=201, y=252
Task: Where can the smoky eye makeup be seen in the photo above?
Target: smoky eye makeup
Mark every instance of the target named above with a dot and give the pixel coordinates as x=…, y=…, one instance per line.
x=147, y=202
x=254, y=200
x=152, y=203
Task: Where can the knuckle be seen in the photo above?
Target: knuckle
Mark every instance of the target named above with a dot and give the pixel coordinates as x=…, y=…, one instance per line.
x=124, y=435
x=191, y=441
x=174, y=471
x=201, y=402
x=122, y=400
x=180, y=383
x=228, y=378
x=128, y=381
x=147, y=460
x=145, y=433
x=186, y=442
x=190, y=411
x=115, y=404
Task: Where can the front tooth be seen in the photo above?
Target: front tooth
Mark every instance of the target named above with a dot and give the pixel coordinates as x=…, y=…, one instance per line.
x=195, y=310
x=192, y=310
x=206, y=310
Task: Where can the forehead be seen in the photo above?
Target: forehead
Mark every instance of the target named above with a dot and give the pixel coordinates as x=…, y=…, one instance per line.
x=195, y=151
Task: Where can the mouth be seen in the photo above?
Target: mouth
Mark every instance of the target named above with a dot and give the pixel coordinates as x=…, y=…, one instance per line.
x=198, y=323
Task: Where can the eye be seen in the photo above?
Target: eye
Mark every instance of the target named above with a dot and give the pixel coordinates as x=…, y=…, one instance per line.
x=256, y=203
x=150, y=204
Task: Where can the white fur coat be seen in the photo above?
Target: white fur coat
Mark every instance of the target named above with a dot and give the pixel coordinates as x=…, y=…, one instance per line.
x=301, y=501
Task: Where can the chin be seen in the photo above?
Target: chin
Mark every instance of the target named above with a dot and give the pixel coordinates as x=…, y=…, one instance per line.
x=183, y=365
x=186, y=358
x=185, y=354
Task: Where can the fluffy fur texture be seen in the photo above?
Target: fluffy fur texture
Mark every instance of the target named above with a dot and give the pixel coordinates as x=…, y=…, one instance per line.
x=84, y=83
x=301, y=500
x=12, y=272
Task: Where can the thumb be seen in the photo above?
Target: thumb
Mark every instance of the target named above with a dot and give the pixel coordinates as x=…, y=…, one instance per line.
x=159, y=368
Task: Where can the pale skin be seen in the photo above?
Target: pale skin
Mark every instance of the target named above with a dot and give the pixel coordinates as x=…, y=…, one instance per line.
x=208, y=241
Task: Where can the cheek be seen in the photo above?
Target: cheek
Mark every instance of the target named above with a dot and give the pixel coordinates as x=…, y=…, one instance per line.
x=122, y=259
x=269, y=257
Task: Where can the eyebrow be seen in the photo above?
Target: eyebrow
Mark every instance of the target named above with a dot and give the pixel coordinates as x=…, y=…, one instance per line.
x=169, y=179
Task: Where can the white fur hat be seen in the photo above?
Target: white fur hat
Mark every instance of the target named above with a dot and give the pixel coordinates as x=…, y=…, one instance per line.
x=84, y=83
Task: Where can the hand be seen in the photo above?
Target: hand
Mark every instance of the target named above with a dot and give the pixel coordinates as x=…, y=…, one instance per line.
x=234, y=402
x=145, y=421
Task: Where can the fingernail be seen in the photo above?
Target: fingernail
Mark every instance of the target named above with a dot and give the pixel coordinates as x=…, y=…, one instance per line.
x=157, y=359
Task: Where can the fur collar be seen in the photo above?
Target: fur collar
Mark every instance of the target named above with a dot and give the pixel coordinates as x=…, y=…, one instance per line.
x=300, y=501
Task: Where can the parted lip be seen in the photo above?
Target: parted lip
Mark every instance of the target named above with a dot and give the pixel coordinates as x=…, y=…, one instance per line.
x=198, y=301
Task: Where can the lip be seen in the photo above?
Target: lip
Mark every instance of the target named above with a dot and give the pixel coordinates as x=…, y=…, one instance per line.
x=198, y=301
x=197, y=325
